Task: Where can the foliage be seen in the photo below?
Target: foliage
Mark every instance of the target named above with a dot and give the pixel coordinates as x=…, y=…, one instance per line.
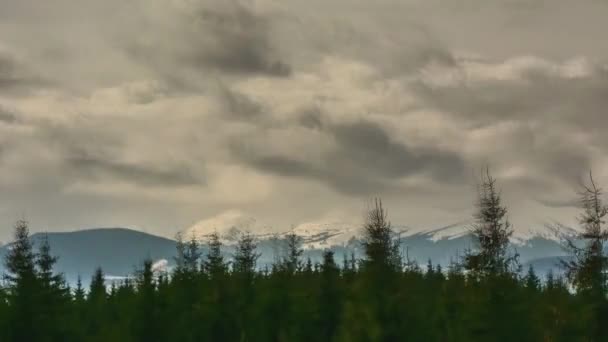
x=208, y=297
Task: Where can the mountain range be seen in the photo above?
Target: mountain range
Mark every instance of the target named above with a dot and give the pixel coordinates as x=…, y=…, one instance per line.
x=119, y=251
x=441, y=245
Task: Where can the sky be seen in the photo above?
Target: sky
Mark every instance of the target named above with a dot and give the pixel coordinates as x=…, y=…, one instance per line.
x=158, y=114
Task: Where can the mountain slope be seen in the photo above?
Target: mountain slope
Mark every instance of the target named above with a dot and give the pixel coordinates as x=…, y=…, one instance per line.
x=117, y=250
x=439, y=244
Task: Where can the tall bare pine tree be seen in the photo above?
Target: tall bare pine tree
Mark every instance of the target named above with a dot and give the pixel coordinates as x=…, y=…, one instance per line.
x=491, y=232
x=587, y=270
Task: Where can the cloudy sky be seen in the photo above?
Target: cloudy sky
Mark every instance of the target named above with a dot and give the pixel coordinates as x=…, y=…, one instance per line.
x=156, y=114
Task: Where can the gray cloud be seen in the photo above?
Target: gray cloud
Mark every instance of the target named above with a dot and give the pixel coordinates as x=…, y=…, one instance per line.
x=366, y=143
x=15, y=78
x=311, y=117
x=547, y=110
x=560, y=203
x=533, y=96
x=105, y=168
x=365, y=159
x=239, y=106
x=239, y=41
x=264, y=103
x=7, y=116
x=209, y=38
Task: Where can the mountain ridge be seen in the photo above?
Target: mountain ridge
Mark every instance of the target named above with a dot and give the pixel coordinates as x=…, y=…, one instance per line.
x=119, y=251
x=337, y=233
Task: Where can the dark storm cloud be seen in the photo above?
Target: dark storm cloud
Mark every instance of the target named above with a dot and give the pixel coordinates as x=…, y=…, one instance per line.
x=239, y=106
x=311, y=118
x=366, y=143
x=15, y=78
x=364, y=161
x=349, y=182
x=88, y=166
x=238, y=41
x=539, y=94
x=7, y=116
x=550, y=107
x=84, y=151
x=213, y=38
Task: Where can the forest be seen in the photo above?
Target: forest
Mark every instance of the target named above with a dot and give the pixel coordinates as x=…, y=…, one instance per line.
x=482, y=296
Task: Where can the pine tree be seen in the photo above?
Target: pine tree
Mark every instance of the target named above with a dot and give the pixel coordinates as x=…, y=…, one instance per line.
x=180, y=257
x=246, y=257
x=97, y=302
x=4, y=329
x=308, y=267
x=146, y=322
x=79, y=292
x=371, y=315
x=491, y=232
x=330, y=303
x=23, y=287
x=79, y=313
x=220, y=323
x=380, y=251
x=292, y=262
x=531, y=280
x=186, y=294
x=192, y=256
x=97, y=288
x=493, y=269
x=53, y=295
x=244, y=270
x=214, y=264
x=45, y=263
x=587, y=271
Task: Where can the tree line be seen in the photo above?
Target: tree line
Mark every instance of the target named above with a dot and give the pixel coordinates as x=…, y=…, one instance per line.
x=382, y=296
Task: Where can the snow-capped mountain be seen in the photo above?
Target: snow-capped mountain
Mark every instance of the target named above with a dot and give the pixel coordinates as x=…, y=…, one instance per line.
x=521, y=236
x=319, y=235
x=555, y=232
x=120, y=251
x=315, y=235
x=229, y=225
x=439, y=244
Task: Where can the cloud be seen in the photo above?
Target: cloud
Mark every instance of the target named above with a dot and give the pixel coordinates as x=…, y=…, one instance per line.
x=238, y=40
x=560, y=203
x=539, y=112
x=238, y=106
x=363, y=159
x=15, y=78
x=191, y=44
x=148, y=175
x=7, y=117
x=159, y=112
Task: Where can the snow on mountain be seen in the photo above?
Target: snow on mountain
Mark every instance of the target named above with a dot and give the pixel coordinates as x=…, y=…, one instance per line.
x=556, y=232
x=520, y=237
x=230, y=225
x=325, y=235
x=320, y=235
x=444, y=233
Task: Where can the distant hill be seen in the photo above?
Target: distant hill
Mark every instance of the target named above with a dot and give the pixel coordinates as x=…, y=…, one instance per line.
x=441, y=245
x=117, y=250
x=542, y=266
x=120, y=251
